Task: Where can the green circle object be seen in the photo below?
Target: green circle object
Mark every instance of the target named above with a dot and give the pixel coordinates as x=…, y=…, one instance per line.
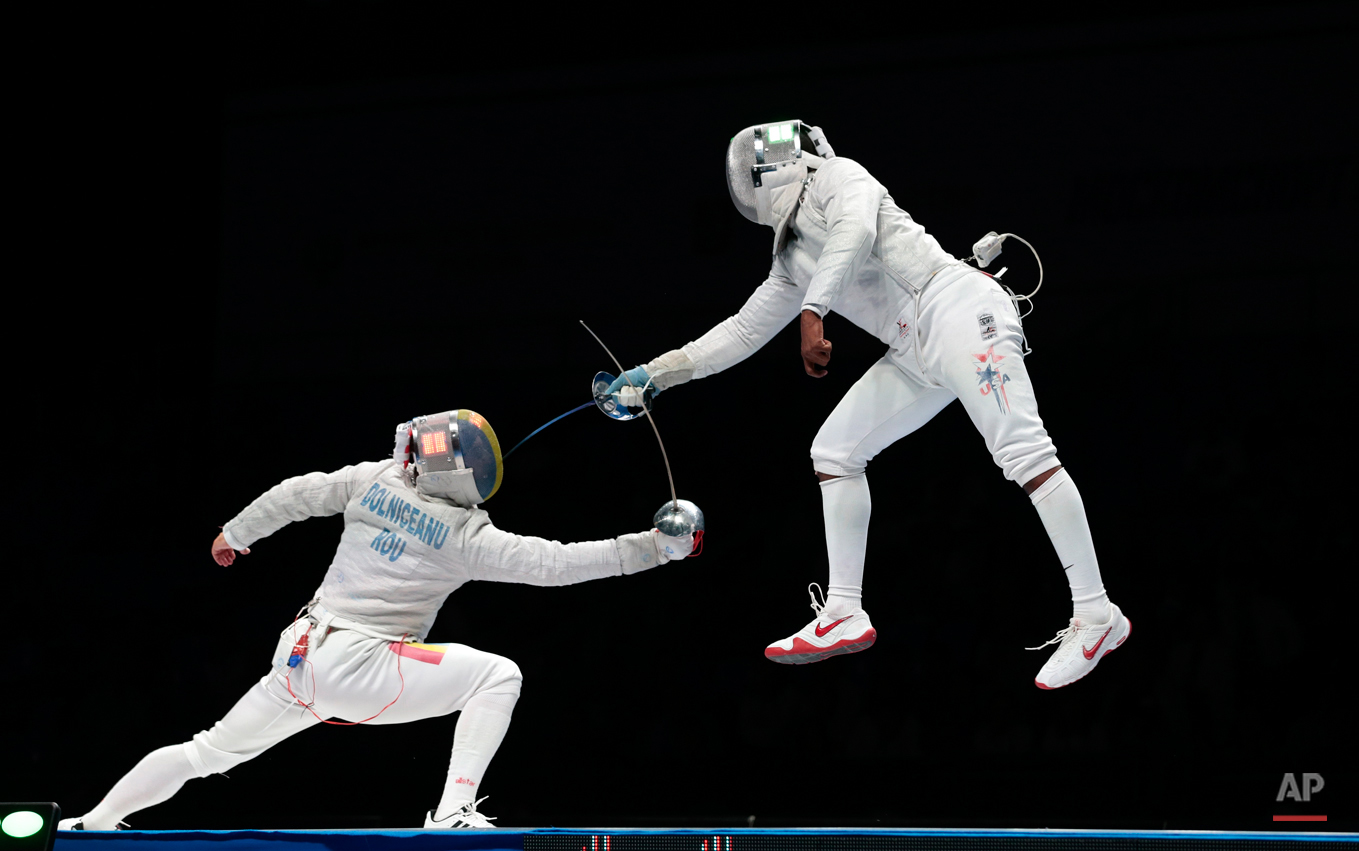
x=21, y=824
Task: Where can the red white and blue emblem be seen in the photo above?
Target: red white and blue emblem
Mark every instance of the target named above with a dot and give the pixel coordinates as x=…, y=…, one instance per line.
x=991, y=380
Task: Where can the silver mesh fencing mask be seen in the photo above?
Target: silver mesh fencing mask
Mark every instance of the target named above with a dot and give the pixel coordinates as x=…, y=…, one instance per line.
x=765, y=157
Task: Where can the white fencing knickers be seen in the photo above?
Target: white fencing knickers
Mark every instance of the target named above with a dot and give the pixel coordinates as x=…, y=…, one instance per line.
x=350, y=677
x=971, y=349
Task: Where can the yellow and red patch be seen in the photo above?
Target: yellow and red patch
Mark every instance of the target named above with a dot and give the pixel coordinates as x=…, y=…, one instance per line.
x=431, y=653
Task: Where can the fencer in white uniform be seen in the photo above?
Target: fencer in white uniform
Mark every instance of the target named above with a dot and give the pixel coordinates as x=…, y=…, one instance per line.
x=413, y=534
x=842, y=244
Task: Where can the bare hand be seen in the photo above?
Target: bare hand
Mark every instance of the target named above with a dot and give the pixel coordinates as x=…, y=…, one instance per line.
x=816, y=349
x=222, y=553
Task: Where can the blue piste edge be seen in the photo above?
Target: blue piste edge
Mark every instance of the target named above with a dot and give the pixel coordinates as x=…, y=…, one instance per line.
x=218, y=835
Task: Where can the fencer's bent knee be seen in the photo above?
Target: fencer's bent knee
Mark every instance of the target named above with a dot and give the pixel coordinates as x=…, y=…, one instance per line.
x=1021, y=467
x=1035, y=482
x=1046, y=488
x=504, y=678
x=827, y=461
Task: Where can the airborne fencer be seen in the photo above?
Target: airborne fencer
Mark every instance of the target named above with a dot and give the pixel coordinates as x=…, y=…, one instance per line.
x=841, y=243
x=413, y=534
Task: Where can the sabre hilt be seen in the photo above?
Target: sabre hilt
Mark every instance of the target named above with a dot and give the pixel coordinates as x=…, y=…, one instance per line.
x=678, y=518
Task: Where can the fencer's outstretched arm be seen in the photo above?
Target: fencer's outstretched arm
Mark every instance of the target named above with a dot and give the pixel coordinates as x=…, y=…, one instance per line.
x=773, y=305
x=497, y=556
x=312, y=495
x=848, y=198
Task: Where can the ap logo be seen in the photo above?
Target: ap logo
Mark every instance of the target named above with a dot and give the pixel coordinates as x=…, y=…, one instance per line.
x=1310, y=783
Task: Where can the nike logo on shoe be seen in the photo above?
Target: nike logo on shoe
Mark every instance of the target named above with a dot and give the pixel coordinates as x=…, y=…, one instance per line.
x=821, y=631
x=1090, y=654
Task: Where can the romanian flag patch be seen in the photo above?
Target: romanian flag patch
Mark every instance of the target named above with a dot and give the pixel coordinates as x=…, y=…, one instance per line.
x=431, y=653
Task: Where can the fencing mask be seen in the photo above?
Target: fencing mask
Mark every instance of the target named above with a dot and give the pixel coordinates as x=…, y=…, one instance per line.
x=453, y=455
x=769, y=161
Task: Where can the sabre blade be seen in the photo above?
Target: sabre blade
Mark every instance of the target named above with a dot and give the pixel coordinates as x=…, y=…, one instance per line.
x=674, y=500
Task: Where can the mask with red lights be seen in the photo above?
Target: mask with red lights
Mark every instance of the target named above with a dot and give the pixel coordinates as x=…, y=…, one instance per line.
x=452, y=455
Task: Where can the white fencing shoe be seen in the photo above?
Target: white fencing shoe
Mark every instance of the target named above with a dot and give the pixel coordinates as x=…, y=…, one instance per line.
x=1080, y=647
x=464, y=817
x=829, y=635
x=78, y=823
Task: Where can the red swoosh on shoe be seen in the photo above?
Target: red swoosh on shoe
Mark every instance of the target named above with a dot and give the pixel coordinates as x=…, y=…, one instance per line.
x=820, y=632
x=1090, y=654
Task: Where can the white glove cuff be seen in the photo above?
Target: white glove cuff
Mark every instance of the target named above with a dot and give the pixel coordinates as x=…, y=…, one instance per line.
x=672, y=368
x=638, y=552
x=672, y=548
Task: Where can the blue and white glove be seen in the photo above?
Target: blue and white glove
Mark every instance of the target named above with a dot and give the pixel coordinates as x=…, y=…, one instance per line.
x=672, y=548
x=626, y=393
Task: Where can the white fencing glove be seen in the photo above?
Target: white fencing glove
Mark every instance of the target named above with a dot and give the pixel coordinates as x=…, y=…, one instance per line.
x=671, y=548
x=630, y=397
x=670, y=369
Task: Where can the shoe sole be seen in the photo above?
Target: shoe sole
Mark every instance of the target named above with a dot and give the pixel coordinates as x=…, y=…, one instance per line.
x=816, y=654
x=1117, y=644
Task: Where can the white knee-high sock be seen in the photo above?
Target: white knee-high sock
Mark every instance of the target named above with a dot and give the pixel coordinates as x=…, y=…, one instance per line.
x=1063, y=513
x=481, y=729
x=153, y=780
x=846, y=504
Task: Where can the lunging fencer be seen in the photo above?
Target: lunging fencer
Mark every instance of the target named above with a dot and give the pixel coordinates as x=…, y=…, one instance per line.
x=413, y=534
x=841, y=243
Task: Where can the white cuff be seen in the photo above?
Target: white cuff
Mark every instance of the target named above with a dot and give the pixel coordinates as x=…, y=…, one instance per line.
x=672, y=368
x=231, y=540
x=638, y=552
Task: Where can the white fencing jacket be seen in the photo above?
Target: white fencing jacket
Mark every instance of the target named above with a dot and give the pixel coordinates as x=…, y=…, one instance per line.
x=853, y=251
x=402, y=553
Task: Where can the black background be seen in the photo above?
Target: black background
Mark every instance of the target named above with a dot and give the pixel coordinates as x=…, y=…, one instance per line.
x=255, y=244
